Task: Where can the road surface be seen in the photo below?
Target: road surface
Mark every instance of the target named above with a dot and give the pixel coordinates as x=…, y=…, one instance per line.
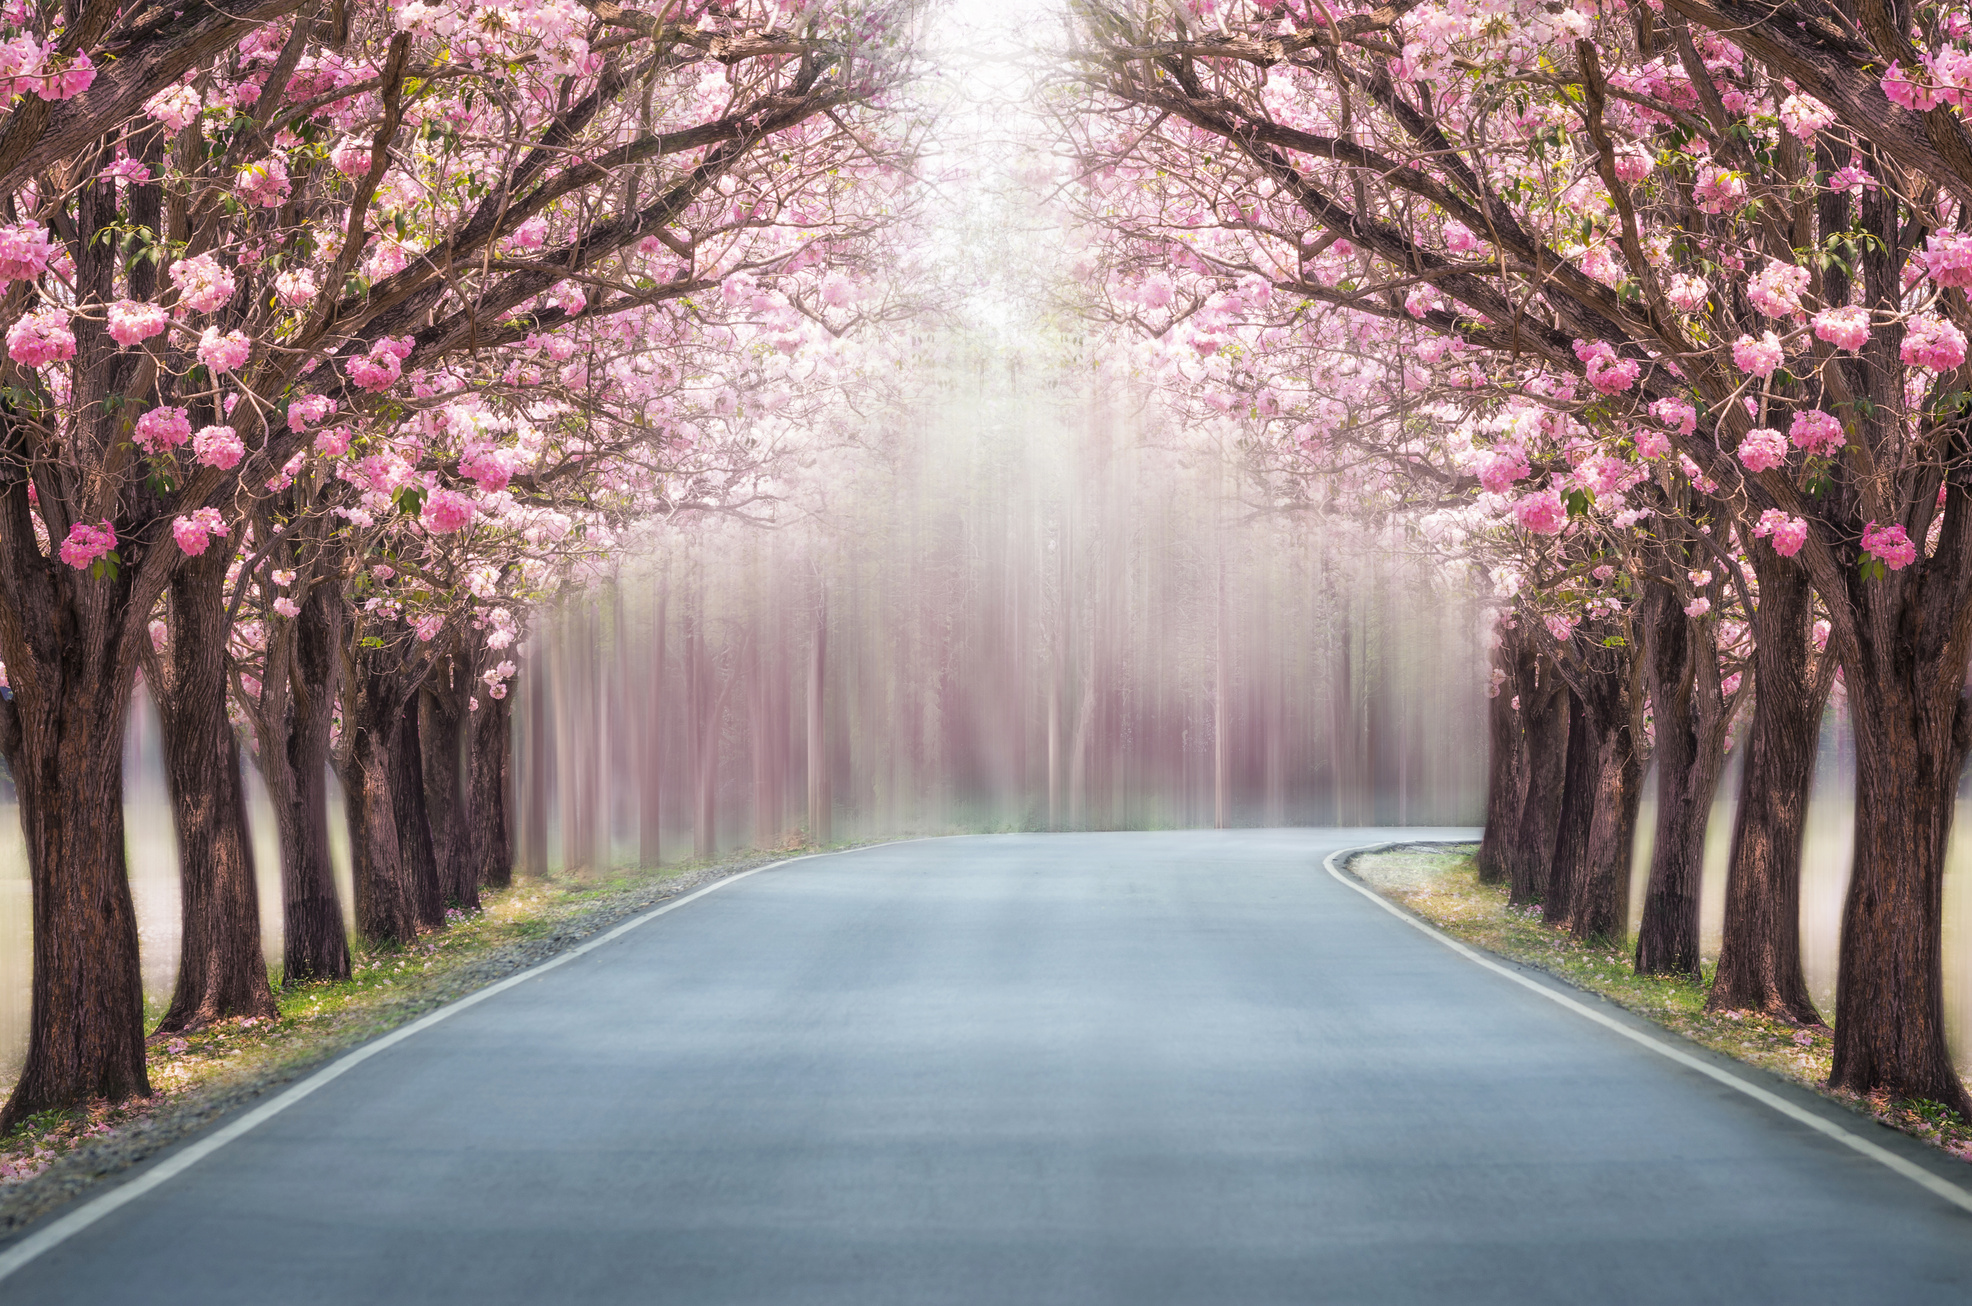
x=1023, y=1069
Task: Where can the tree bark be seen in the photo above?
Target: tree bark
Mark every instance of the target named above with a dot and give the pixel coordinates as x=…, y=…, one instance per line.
x=315, y=946
x=1576, y=814
x=221, y=969
x=487, y=803
x=1681, y=666
x=407, y=794
x=373, y=705
x=1506, y=756
x=1545, y=726
x=1603, y=681
x=1760, y=951
x=1910, y=719
x=442, y=716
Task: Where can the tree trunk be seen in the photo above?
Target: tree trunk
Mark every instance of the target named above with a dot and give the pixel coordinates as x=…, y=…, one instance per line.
x=386, y=899
x=407, y=794
x=296, y=764
x=1545, y=727
x=1910, y=721
x=490, y=771
x=1506, y=756
x=1681, y=664
x=1576, y=813
x=221, y=969
x=1597, y=905
x=64, y=747
x=1760, y=952
x=441, y=736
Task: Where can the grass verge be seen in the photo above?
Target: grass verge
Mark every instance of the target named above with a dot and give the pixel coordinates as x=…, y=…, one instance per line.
x=198, y=1077
x=1441, y=884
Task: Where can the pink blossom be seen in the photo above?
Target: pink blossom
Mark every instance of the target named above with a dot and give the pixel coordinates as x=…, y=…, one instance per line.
x=1607, y=373
x=1788, y=533
x=1541, y=513
x=306, y=410
x=175, y=107
x=1845, y=328
x=194, y=531
x=1632, y=166
x=1948, y=260
x=380, y=368
x=428, y=627
x=488, y=468
x=1763, y=450
x=204, y=285
x=333, y=443
x=36, y=339
x=1803, y=116
x=1698, y=607
x=286, y=607
x=1776, y=289
x=218, y=446
x=24, y=251
x=160, y=429
x=1678, y=414
x=447, y=511
x=265, y=182
x=1718, y=190
x=86, y=543
x=295, y=288
x=531, y=234
x=1760, y=357
x=1851, y=179
x=1687, y=293
x=131, y=322
x=351, y=157
x=1890, y=544
x=1912, y=95
x=1498, y=469
x=1817, y=432
x=227, y=353
x=1934, y=343
x=1652, y=444
x=1562, y=628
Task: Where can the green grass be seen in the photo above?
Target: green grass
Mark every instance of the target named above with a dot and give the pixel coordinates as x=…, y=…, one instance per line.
x=1442, y=886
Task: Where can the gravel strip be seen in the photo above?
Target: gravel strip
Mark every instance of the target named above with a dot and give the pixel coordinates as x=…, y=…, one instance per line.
x=86, y=1166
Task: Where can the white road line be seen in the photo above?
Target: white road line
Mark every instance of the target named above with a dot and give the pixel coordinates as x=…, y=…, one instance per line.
x=60, y=1231
x=1883, y=1156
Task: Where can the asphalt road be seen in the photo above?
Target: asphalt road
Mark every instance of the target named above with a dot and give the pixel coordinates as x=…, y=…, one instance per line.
x=1015, y=1070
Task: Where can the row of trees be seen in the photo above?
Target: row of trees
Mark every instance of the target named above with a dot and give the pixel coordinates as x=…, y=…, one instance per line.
x=338, y=336
x=1655, y=311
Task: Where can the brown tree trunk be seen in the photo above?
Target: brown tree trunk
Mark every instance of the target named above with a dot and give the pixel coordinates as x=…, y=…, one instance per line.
x=1760, y=951
x=1910, y=723
x=373, y=705
x=64, y=747
x=1681, y=665
x=442, y=715
x=1597, y=906
x=1544, y=725
x=221, y=970
x=489, y=778
x=1506, y=756
x=407, y=794
x=315, y=945
x=1576, y=813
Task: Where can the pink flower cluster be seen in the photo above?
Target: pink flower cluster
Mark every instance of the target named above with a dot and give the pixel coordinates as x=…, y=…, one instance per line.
x=333, y=443
x=1719, y=190
x=218, y=446
x=1803, y=116
x=24, y=251
x=1845, y=328
x=1687, y=293
x=295, y=288
x=1678, y=414
x=1562, y=628
x=27, y=67
x=1763, y=450
x=36, y=339
x=1759, y=357
x=428, y=627
x=1818, y=432
x=1498, y=468
x=380, y=368
x=1948, y=258
x=1541, y=513
x=496, y=679
x=446, y=511
x=1934, y=343
x=175, y=106
x=307, y=410
x=1652, y=444
x=490, y=469
x=1775, y=289
x=160, y=429
x=1788, y=533
x=86, y=543
x=1851, y=179
x=1890, y=544
x=224, y=353
x=131, y=322
x=1609, y=374
x=265, y=183
x=195, y=530
x=204, y=285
